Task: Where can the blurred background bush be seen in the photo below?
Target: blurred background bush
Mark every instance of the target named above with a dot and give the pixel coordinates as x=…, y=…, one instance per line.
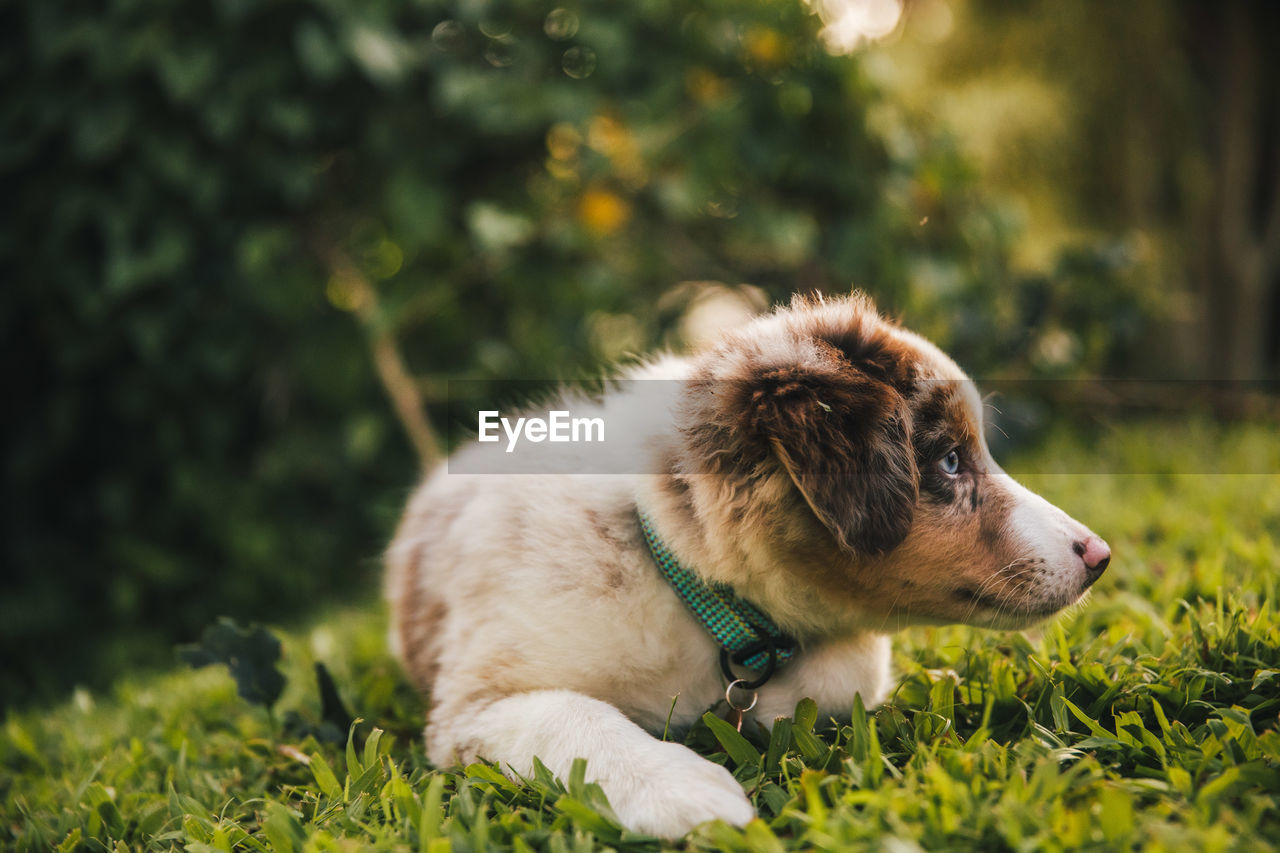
x=246, y=242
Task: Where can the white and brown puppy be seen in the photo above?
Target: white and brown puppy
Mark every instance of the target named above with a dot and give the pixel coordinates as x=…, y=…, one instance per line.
x=824, y=463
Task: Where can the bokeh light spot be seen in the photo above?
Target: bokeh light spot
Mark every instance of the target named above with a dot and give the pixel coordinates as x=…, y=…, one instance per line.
x=578, y=62
x=850, y=24
x=603, y=211
x=501, y=51
x=385, y=259
x=560, y=24
x=345, y=293
x=563, y=141
x=448, y=35
x=495, y=29
x=704, y=85
x=764, y=46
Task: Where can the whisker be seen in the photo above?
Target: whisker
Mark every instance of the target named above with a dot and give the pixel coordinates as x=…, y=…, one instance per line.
x=890, y=611
x=1005, y=579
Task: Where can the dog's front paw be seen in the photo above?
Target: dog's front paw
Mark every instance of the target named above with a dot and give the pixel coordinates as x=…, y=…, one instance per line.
x=674, y=790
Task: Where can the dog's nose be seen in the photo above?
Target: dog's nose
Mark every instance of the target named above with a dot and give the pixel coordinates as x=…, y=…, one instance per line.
x=1095, y=553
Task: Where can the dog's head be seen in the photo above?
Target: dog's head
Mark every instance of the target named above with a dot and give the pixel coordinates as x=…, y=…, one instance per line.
x=857, y=448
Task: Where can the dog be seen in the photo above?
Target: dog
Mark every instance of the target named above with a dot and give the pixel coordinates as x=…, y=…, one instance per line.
x=822, y=464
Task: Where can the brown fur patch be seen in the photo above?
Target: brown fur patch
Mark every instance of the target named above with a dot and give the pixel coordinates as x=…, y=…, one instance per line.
x=419, y=622
x=993, y=519
x=872, y=350
x=504, y=676
x=621, y=535
x=418, y=616
x=842, y=435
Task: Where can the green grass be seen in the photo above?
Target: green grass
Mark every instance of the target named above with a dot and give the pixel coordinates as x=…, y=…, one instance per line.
x=1146, y=718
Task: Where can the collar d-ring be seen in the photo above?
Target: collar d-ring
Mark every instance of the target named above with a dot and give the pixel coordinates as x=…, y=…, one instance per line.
x=728, y=695
x=771, y=664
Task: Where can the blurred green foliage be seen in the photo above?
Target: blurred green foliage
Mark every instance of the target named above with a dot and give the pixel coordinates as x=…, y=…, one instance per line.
x=197, y=194
x=1158, y=121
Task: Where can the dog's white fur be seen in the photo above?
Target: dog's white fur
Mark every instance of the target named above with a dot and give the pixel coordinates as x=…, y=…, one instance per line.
x=530, y=609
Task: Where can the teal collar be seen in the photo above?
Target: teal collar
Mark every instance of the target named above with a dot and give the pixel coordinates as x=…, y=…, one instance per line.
x=746, y=636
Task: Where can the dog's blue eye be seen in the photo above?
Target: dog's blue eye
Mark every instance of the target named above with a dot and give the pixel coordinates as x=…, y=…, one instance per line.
x=950, y=463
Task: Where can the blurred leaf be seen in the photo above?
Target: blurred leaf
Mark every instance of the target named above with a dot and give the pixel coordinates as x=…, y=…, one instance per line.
x=332, y=711
x=250, y=654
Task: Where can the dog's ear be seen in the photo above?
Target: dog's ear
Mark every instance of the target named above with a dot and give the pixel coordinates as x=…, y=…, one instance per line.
x=844, y=436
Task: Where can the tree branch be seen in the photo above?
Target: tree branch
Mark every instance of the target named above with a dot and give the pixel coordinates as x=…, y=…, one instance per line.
x=397, y=382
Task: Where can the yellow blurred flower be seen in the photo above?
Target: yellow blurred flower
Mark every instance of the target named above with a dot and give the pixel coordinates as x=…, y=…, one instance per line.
x=610, y=137
x=563, y=140
x=603, y=211
x=704, y=85
x=560, y=170
x=764, y=46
